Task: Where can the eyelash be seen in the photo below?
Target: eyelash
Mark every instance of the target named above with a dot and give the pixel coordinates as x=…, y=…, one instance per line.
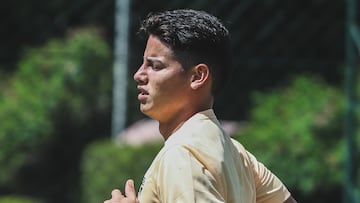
x=155, y=67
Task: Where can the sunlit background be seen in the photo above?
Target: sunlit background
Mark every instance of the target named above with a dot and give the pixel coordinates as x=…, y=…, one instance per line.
x=65, y=137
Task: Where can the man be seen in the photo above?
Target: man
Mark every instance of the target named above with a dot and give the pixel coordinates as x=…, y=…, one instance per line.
x=187, y=61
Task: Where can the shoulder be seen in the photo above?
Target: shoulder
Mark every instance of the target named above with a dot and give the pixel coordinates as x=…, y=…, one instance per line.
x=172, y=154
x=241, y=150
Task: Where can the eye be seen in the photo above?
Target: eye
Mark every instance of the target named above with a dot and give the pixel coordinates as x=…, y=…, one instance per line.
x=156, y=66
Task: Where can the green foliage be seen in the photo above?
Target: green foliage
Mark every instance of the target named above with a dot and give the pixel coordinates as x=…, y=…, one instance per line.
x=297, y=133
x=70, y=74
x=107, y=166
x=18, y=199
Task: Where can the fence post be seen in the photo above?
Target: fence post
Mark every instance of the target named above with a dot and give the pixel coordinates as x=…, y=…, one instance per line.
x=120, y=75
x=351, y=55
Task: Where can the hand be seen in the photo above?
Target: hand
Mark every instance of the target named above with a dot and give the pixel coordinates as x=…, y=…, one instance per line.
x=130, y=194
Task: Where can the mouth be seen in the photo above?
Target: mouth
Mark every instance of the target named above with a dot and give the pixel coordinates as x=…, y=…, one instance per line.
x=142, y=90
x=143, y=94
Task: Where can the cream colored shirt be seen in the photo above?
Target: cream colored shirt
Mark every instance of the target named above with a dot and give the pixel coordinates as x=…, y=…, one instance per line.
x=200, y=163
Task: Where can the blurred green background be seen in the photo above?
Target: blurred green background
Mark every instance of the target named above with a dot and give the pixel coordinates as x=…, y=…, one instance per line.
x=56, y=64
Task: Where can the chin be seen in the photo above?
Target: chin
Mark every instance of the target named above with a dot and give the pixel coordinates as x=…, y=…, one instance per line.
x=144, y=110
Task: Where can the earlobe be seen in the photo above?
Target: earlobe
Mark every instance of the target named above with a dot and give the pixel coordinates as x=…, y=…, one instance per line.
x=200, y=76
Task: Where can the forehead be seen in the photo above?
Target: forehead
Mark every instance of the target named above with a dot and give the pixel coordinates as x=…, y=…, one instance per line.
x=156, y=48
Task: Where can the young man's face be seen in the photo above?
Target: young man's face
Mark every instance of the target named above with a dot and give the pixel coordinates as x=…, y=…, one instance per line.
x=164, y=85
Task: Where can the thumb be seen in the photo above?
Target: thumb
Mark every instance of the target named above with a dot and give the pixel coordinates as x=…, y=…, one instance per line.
x=130, y=190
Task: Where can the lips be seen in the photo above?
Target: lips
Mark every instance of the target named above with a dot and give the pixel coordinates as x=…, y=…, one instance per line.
x=143, y=94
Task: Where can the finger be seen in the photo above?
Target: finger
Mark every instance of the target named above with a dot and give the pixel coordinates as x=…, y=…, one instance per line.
x=116, y=195
x=130, y=190
x=108, y=201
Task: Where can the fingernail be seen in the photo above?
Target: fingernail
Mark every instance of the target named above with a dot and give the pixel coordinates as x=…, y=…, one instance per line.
x=131, y=183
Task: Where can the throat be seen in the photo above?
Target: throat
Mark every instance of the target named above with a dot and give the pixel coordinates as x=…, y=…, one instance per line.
x=166, y=130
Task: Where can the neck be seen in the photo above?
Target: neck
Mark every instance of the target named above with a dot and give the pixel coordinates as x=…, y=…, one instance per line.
x=170, y=126
x=167, y=128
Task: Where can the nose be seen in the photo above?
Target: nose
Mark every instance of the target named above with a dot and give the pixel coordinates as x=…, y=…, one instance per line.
x=140, y=75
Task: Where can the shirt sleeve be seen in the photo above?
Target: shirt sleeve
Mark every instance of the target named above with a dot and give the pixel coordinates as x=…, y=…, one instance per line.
x=183, y=179
x=269, y=188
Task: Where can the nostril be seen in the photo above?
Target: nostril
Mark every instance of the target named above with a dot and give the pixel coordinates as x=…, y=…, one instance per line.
x=141, y=80
x=140, y=76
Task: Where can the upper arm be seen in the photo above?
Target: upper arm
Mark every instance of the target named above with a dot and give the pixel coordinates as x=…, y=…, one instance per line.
x=269, y=187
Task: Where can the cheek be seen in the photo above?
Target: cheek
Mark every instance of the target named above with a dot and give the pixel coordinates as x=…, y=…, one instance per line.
x=169, y=85
x=163, y=89
x=162, y=84
x=166, y=93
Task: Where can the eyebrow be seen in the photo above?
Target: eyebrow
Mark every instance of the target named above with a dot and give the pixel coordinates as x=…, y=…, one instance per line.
x=154, y=59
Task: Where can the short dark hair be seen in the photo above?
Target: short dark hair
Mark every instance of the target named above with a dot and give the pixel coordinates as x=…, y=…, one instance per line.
x=194, y=37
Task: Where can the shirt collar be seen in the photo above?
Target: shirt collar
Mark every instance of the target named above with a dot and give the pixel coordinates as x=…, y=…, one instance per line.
x=186, y=128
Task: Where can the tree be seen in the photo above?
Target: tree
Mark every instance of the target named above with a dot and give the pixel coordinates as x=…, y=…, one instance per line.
x=297, y=133
x=57, y=102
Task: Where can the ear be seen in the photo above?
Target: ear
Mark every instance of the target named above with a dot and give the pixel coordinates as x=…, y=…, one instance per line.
x=200, y=76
